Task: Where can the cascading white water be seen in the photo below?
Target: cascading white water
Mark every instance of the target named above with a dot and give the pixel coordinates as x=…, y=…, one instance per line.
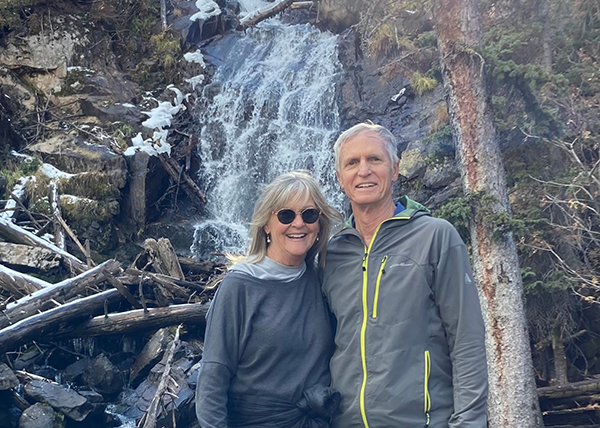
x=274, y=111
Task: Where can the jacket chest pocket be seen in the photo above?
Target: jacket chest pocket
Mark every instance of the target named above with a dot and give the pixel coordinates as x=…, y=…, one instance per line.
x=401, y=290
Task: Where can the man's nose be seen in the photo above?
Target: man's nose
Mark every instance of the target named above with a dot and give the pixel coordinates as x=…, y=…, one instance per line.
x=363, y=168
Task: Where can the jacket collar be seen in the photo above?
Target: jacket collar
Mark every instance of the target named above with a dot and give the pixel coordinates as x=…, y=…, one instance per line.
x=412, y=209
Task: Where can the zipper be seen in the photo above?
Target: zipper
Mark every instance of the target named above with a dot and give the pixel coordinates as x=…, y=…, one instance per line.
x=381, y=272
x=427, y=397
x=363, y=329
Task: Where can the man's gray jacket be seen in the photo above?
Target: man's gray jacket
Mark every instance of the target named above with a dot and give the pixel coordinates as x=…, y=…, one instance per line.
x=410, y=336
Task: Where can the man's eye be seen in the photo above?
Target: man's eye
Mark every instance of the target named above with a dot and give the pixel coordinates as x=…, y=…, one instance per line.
x=351, y=162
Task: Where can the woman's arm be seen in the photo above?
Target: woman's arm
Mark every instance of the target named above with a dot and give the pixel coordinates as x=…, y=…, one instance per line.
x=224, y=327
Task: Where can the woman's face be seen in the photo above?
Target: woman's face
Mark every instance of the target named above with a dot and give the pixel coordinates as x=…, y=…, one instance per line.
x=290, y=242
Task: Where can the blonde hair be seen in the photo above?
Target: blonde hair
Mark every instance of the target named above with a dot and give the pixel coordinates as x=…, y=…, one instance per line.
x=292, y=186
x=363, y=128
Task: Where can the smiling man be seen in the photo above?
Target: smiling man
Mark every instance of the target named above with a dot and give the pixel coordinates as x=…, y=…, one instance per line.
x=410, y=337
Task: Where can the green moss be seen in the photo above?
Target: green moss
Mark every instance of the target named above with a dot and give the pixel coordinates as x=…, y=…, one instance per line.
x=93, y=185
x=84, y=211
x=422, y=84
x=426, y=39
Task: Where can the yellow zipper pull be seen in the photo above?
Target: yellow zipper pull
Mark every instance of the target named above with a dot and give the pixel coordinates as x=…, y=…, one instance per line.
x=381, y=272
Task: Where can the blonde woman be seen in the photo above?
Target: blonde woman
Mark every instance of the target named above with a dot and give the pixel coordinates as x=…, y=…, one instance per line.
x=268, y=337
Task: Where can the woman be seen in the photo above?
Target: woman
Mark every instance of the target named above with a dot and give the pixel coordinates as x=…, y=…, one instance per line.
x=268, y=338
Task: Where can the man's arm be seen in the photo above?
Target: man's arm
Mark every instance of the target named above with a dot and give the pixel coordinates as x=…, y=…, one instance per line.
x=458, y=303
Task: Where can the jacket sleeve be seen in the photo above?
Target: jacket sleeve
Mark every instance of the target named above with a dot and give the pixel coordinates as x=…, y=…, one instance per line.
x=456, y=297
x=221, y=352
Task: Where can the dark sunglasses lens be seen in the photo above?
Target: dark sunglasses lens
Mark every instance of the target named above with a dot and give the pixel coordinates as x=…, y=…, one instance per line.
x=286, y=216
x=310, y=215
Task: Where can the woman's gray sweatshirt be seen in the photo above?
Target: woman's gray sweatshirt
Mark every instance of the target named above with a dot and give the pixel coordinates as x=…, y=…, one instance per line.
x=264, y=339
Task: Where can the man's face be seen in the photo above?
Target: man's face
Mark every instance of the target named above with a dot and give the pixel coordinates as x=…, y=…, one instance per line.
x=366, y=172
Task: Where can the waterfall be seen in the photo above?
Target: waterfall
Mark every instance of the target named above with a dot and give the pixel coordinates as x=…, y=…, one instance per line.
x=270, y=108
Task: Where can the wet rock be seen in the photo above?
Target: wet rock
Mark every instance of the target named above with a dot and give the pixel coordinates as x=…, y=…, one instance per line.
x=41, y=416
x=29, y=257
x=75, y=370
x=103, y=376
x=8, y=379
x=150, y=355
x=60, y=398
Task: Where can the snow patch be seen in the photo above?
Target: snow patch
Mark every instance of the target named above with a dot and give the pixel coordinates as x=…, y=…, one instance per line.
x=207, y=8
x=196, y=57
x=195, y=81
x=52, y=172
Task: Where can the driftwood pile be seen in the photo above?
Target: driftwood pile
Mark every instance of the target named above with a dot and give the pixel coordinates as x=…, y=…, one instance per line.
x=40, y=321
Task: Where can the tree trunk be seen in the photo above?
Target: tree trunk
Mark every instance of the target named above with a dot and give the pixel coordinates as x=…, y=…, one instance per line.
x=163, y=15
x=560, y=359
x=512, y=398
x=52, y=295
x=546, y=35
x=126, y=322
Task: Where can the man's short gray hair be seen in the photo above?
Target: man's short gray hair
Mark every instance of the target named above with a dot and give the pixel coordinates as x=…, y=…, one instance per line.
x=363, y=128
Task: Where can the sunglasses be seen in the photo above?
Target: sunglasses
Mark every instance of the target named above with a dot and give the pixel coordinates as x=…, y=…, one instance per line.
x=287, y=216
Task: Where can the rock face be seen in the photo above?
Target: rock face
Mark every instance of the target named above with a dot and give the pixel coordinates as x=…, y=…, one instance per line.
x=368, y=92
x=41, y=416
x=60, y=398
x=8, y=379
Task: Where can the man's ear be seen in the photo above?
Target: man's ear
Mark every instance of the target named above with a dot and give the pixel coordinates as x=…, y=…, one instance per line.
x=337, y=174
x=395, y=171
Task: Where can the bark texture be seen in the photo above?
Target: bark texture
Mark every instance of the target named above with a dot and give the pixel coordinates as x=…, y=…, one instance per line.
x=512, y=399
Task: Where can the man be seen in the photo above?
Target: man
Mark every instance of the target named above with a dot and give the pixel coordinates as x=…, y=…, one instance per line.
x=410, y=336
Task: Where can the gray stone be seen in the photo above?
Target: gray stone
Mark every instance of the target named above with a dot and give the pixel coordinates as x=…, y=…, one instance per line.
x=41, y=416
x=150, y=355
x=73, y=155
x=60, y=398
x=103, y=376
x=75, y=370
x=440, y=174
x=412, y=163
x=8, y=379
x=27, y=256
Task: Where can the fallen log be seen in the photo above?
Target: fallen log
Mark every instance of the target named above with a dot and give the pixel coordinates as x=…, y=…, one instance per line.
x=21, y=236
x=126, y=322
x=198, y=266
x=42, y=325
x=18, y=284
x=252, y=20
x=570, y=390
x=51, y=295
x=132, y=278
x=151, y=415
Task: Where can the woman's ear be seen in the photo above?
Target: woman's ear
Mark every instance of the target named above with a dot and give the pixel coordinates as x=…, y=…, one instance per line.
x=266, y=229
